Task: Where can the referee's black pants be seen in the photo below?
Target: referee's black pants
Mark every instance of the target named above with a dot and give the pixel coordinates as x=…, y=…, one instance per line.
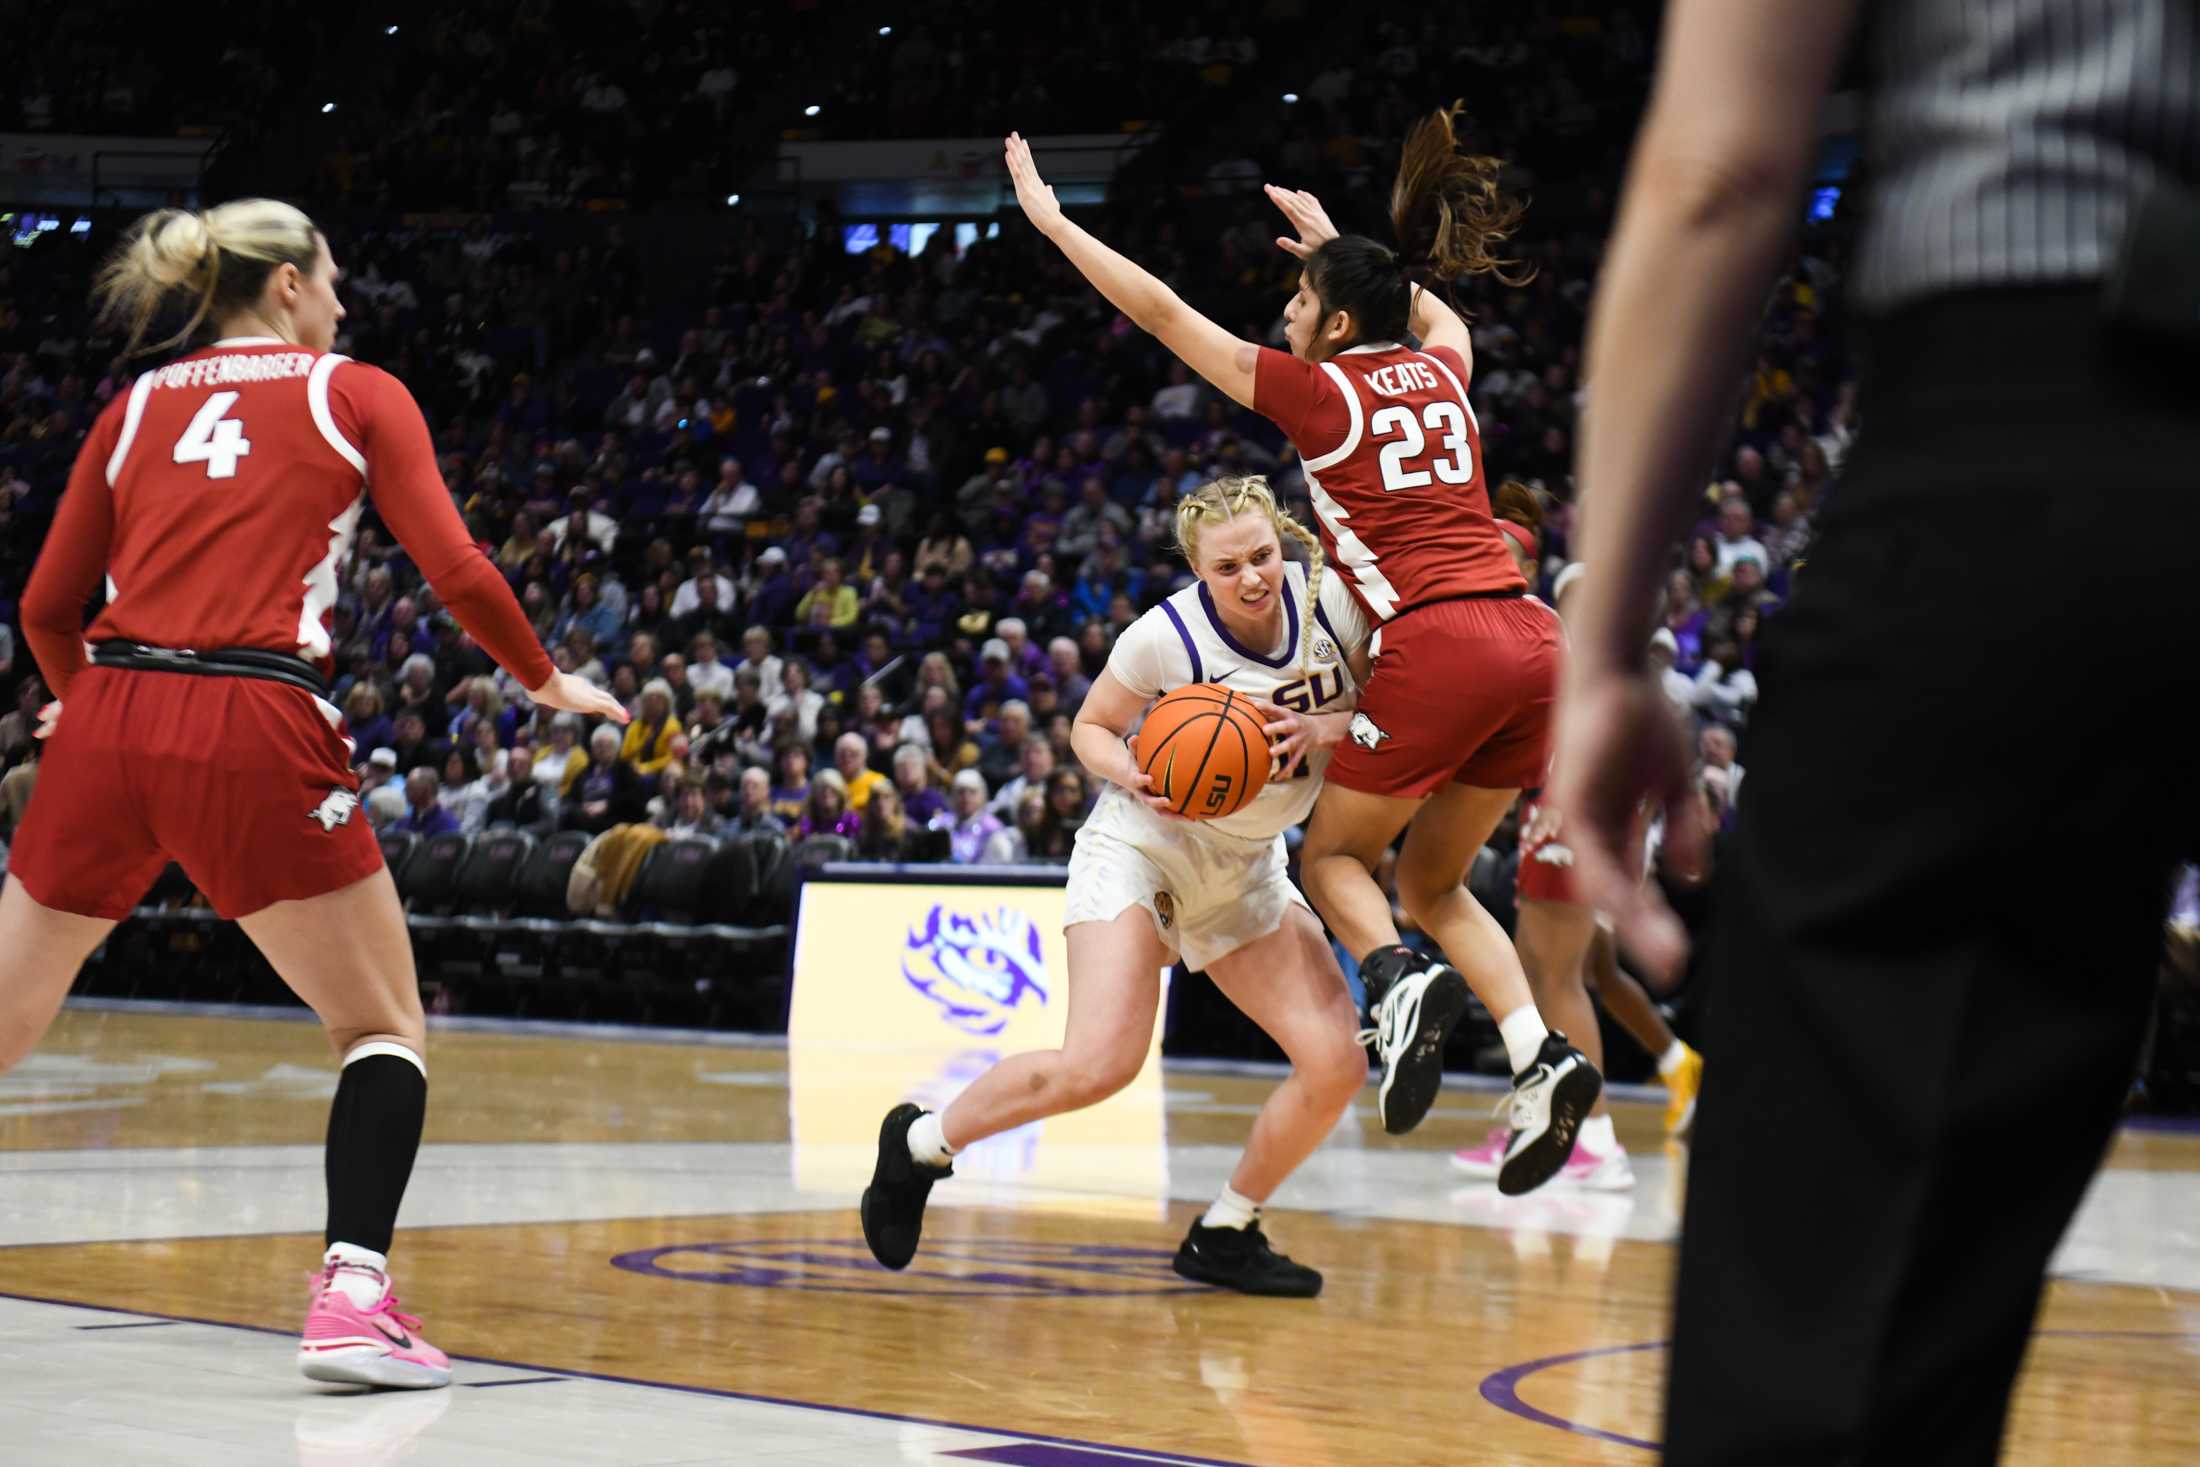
x=1937, y=930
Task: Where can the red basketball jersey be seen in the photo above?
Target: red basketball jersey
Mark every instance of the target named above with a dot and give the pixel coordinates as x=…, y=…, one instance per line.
x=1393, y=462
x=219, y=498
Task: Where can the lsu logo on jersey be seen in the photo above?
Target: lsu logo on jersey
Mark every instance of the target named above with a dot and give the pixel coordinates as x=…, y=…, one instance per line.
x=978, y=968
x=1306, y=695
x=335, y=808
x=1366, y=732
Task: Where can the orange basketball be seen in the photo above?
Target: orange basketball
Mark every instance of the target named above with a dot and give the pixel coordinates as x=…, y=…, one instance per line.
x=1204, y=750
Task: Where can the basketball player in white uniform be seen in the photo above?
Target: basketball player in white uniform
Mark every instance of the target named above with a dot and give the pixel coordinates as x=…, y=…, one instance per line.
x=1147, y=887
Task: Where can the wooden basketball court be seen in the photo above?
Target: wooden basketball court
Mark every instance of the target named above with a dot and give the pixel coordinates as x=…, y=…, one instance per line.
x=645, y=1250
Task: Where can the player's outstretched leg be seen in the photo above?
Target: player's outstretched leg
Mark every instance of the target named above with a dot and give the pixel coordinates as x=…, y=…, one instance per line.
x=893, y=1205
x=1413, y=1003
x=1115, y=994
x=1680, y=1068
x=1287, y=981
x=348, y=955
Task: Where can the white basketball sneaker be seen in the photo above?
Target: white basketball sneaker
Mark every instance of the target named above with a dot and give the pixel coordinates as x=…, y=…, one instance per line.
x=1549, y=1101
x=1413, y=1019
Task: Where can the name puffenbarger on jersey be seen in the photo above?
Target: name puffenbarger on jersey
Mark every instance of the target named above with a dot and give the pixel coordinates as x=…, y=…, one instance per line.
x=234, y=367
x=1400, y=378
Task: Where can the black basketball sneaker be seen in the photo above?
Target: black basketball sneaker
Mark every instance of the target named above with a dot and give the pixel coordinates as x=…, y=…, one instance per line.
x=1240, y=1259
x=893, y=1205
x=1414, y=1004
x=1549, y=1101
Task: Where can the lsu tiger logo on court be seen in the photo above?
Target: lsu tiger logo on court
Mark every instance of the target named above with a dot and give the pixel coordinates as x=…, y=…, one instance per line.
x=978, y=968
x=335, y=808
x=1366, y=732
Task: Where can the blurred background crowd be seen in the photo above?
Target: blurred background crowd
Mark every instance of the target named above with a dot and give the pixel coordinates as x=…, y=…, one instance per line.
x=850, y=520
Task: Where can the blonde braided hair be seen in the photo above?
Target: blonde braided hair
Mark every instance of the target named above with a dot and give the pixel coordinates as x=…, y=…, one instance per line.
x=1233, y=495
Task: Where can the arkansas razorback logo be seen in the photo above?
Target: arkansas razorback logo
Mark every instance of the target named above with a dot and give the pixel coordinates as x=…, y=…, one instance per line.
x=1365, y=732
x=335, y=808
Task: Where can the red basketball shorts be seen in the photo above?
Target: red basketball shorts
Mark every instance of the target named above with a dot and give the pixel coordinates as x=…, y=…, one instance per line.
x=1461, y=693
x=243, y=782
x=1546, y=871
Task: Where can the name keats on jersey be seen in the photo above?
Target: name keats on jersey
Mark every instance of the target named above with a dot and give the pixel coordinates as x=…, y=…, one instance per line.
x=233, y=367
x=1400, y=378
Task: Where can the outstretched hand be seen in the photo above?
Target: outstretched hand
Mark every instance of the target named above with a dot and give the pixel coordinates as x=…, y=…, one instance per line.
x=1032, y=193
x=1620, y=747
x=1306, y=215
x=578, y=695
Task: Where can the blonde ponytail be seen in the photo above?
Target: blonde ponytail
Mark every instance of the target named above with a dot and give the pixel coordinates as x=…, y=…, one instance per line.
x=1233, y=495
x=207, y=263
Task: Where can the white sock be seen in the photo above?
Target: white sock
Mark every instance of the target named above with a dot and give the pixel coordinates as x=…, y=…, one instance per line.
x=1596, y=1134
x=928, y=1143
x=1231, y=1210
x=1523, y=1032
x=361, y=1273
x=1670, y=1061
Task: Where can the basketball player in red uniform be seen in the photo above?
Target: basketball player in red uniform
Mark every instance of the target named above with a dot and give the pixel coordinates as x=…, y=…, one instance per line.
x=1560, y=939
x=1454, y=719
x=217, y=501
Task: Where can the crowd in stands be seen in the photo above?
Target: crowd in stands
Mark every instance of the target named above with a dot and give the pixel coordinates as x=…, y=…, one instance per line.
x=851, y=534
x=570, y=103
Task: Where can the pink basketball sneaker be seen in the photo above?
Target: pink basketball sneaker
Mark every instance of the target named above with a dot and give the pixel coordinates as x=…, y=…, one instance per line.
x=1606, y=1172
x=372, y=1346
x=1485, y=1160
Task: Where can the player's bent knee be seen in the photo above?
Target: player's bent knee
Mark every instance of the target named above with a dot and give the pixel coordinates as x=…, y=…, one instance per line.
x=1337, y=1073
x=1090, y=1079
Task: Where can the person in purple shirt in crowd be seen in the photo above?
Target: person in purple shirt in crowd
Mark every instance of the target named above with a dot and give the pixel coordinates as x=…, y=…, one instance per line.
x=879, y=465
x=1024, y=657
x=773, y=601
x=831, y=669
x=931, y=607
x=919, y=800
x=997, y=683
x=967, y=822
x=423, y=815
x=805, y=542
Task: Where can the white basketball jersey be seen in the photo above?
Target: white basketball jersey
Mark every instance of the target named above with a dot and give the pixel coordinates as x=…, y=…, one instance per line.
x=1182, y=641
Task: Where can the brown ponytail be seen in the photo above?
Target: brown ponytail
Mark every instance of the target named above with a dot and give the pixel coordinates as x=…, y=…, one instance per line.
x=1518, y=503
x=1446, y=209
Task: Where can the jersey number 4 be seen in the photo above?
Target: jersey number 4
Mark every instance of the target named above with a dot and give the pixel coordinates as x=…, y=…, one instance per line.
x=214, y=440
x=1408, y=442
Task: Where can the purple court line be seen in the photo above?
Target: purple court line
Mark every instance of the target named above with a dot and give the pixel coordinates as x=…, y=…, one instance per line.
x=1134, y=1454
x=1501, y=1388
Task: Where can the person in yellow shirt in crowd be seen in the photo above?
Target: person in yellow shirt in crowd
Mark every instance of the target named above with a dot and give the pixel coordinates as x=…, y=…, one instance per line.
x=849, y=752
x=652, y=734
x=832, y=602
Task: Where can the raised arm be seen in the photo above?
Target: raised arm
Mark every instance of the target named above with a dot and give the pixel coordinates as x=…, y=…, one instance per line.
x=1433, y=320
x=1224, y=360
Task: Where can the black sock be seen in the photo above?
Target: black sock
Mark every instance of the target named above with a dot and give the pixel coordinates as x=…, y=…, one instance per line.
x=373, y=1135
x=1384, y=967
